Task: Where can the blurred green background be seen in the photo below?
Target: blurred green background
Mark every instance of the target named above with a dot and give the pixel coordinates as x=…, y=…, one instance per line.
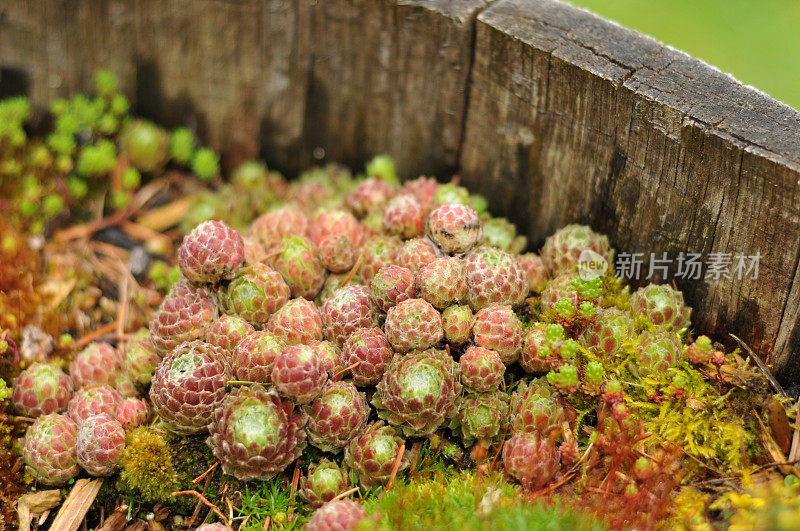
x=758, y=41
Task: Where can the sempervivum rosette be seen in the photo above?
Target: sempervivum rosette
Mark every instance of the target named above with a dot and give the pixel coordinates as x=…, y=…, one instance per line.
x=41, y=389
x=92, y=401
x=533, y=460
x=419, y=392
x=211, y=252
x=562, y=251
x=371, y=455
x=482, y=416
x=188, y=385
x=254, y=294
x=347, y=310
x=97, y=364
x=494, y=276
x=658, y=350
x=100, y=443
x=336, y=416
x=607, y=333
x=256, y=434
x=323, y=482
x=662, y=305
x=50, y=449
x=341, y=515
x=535, y=408
x=186, y=314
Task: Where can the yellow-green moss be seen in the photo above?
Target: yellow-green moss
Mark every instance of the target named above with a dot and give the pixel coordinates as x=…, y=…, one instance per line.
x=147, y=466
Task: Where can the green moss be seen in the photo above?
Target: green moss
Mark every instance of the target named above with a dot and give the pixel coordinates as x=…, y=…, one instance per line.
x=147, y=466
x=466, y=500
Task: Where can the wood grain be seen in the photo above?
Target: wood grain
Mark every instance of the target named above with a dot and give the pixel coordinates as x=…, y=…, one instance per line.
x=553, y=113
x=572, y=118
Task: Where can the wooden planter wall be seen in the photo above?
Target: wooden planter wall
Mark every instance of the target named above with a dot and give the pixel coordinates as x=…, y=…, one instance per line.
x=553, y=113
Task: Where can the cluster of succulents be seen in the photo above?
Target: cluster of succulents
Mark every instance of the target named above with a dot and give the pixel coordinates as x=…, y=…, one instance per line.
x=81, y=417
x=94, y=149
x=359, y=316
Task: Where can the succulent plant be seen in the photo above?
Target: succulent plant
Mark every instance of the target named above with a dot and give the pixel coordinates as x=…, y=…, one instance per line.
x=348, y=309
x=451, y=193
x=337, y=416
x=404, y=217
x=297, y=322
x=100, y=443
x=497, y=327
x=41, y=389
x=443, y=281
x=141, y=359
x=534, y=267
x=50, y=449
x=341, y=515
x=424, y=189
x=532, y=460
x=371, y=350
x=536, y=353
x=132, y=412
x=337, y=253
x=255, y=433
x=608, y=332
x=392, y=284
x=331, y=356
x=188, y=385
x=413, y=324
x=185, y=315
x=562, y=250
x=700, y=351
x=256, y=292
x=457, y=321
x=323, y=482
x=254, y=250
x=296, y=259
x=501, y=233
x=337, y=222
x=658, y=350
x=253, y=358
x=272, y=227
x=482, y=369
x=370, y=196
x=91, y=401
x=372, y=454
x=227, y=331
x=419, y=392
x=96, y=364
x=126, y=386
x=482, y=416
x=494, y=277
x=454, y=228
x=557, y=289
x=211, y=252
x=662, y=305
x=535, y=407
x=379, y=251
x=417, y=252
x=145, y=145
x=298, y=373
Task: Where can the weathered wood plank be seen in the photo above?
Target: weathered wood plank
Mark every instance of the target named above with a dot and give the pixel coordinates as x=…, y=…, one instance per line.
x=287, y=79
x=385, y=76
x=573, y=118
